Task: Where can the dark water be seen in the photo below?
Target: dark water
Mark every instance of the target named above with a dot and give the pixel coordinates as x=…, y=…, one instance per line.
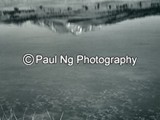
x=92, y=92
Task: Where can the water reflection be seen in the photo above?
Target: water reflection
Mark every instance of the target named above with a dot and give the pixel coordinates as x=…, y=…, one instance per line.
x=60, y=26
x=78, y=26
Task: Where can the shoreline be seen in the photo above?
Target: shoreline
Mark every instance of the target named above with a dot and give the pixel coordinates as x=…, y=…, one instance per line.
x=93, y=11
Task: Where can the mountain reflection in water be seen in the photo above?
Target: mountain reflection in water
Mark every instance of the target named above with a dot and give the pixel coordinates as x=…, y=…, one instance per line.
x=60, y=26
x=78, y=25
x=64, y=26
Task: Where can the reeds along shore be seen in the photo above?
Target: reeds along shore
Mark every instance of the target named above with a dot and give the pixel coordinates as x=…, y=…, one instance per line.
x=95, y=10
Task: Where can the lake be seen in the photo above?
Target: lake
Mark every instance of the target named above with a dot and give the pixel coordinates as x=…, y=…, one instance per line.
x=91, y=92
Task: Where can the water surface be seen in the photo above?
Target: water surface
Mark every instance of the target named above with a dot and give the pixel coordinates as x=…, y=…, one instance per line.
x=83, y=91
